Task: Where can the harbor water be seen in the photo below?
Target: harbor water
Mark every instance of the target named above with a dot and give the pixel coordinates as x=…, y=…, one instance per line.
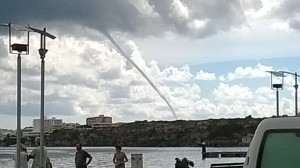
x=153, y=157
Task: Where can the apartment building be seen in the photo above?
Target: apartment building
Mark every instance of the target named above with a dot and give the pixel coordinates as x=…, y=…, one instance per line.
x=70, y=125
x=100, y=122
x=50, y=125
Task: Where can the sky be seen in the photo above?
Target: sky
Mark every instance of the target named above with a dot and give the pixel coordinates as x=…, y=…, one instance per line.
x=207, y=58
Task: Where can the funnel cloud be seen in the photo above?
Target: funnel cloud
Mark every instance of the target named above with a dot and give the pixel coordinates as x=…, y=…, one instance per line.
x=139, y=69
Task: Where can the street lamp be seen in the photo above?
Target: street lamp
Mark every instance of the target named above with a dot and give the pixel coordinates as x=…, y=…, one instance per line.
x=20, y=49
x=42, y=52
x=296, y=88
x=276, y=84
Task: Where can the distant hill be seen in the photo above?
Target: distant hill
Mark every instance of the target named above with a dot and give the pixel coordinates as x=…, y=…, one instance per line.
x=214, y=132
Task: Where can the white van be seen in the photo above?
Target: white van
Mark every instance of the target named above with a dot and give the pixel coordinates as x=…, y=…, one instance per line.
x=276, y=144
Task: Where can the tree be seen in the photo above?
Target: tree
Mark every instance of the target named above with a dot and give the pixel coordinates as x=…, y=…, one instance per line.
x=184, y=163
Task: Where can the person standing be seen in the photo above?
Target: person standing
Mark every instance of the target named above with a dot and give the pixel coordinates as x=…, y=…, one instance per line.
x=23, y=158
x=81, y=156
x=36, y=155
x=120, y=158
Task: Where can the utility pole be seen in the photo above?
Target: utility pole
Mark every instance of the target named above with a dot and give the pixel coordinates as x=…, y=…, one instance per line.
x=20, y=49
x=42, y=52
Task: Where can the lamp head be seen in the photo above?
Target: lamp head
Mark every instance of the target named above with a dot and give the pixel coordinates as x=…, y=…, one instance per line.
x=19, y=47
x=277, y=85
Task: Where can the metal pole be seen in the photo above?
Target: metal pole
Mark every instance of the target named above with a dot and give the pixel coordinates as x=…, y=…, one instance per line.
x=42, y=113
x=277, y=102
x=42, y=144
x=42, y=52
x=9, y=37
x=18, y=109
x=296, y=94
x=203, y=150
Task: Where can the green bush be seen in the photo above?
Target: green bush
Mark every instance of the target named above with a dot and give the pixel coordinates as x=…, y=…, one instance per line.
x=184, y=163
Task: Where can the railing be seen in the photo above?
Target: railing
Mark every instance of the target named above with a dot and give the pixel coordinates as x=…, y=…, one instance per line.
x=223, y=154
x=227, y=165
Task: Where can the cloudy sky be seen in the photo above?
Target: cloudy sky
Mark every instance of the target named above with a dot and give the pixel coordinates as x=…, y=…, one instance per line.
x=207, y=58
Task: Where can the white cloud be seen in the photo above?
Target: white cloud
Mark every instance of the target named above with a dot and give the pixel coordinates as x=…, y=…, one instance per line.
x=144, y=7
x=198, y=24
x=181, y=74
x=263, y=95
x=225, y=92
x=202, y=75
x=221, y=78
x=248, y=72
x=287, y=106
x=180, y=10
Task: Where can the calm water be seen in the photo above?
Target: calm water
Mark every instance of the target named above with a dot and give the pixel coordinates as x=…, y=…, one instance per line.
x=153, y=157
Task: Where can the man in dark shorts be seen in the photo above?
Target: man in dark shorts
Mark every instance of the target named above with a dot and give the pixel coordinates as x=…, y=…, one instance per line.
x=81, y=156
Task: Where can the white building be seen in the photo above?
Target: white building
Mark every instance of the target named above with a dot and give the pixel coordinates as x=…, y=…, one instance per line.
x=50, y=125
x=70, y=125
x=27, y=131
x=100, y=122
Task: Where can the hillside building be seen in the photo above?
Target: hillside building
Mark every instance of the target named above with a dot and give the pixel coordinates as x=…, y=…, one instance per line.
x=100, y=122
x=50, y=125
x=70, y=125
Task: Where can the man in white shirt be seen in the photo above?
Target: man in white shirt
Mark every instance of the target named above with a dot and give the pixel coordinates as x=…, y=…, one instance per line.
x=36, y=154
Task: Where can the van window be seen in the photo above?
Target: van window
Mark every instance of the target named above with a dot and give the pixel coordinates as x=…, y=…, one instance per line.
x=280, y=149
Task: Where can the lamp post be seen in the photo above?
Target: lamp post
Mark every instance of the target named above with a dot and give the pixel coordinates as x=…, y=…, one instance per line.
x=296, y=88
x=276, y=85
x=20, y=49
x=42, y=52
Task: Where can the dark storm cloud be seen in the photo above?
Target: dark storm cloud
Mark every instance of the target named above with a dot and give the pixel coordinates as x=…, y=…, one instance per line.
x=137, y=83
x=34, y=85
x=253, y=4
x=295, y=24
x=144, y=100
x=31, y=77
x=119, y=100
x=54, y=104
x=75, y=79
x=109, y=14
x=123, y=16
x=33, y=70
x=3, y=50
x=110, y=74
x=220, y=15
x=52, y=108
x=64, y=108
x=289, y=11
x=8, y=108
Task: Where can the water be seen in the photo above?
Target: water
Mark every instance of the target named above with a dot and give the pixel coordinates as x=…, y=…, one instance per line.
x=153, y=157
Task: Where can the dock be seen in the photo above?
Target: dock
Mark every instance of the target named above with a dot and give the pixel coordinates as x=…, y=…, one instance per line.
x=223, y=154
x=227, y=165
